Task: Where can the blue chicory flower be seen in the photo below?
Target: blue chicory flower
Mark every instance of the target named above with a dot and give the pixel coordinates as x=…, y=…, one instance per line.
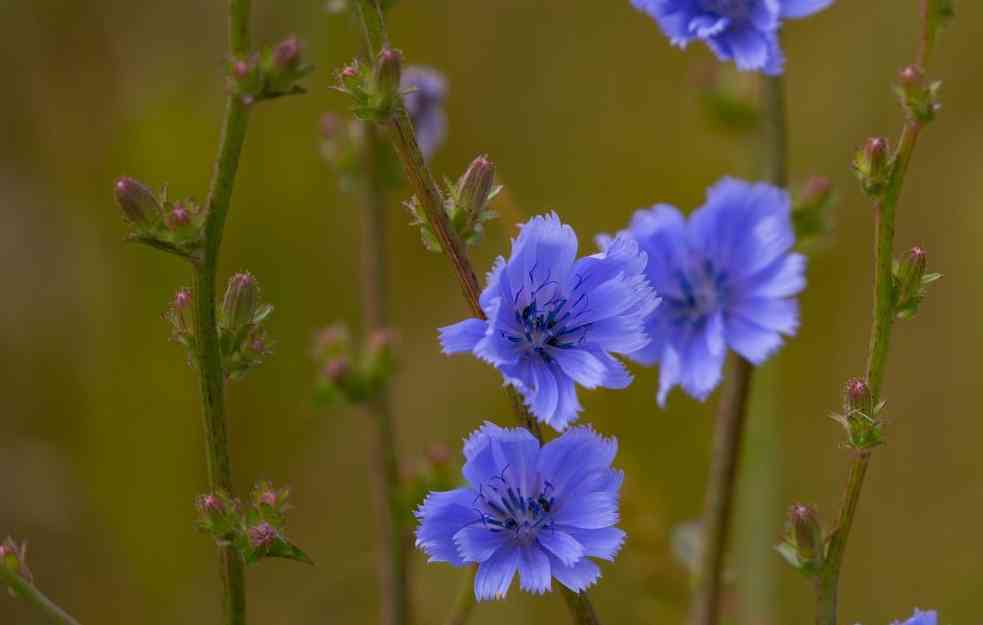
x=544, y=512
x=727, y=278
x=554, y=320
x=426, y=89
x=745, y=31
x=920, y=617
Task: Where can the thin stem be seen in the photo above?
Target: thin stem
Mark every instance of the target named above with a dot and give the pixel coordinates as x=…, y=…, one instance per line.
x=208, y=353
x=465, y=600
x=26, y=590
x=718, y=510
x=385, y=460
x=403, y=137
x=827, y=584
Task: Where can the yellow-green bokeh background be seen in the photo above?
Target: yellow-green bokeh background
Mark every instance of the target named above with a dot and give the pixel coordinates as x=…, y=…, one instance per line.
x=586, y=110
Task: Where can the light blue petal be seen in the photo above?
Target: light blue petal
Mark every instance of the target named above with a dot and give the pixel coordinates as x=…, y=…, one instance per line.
x=927, y=617
x=544, y=397
x=781, y=315
x=670, y=372
x=562, y=545
x=792, y=9
x=661, y=233
x=534, y=569
x=495, y=347
x=476, y=543
x=462, y=336
x=603, y=543
x=750, y=340
x=568, y=408
x=485, y=460
x=585, y=368
x=783, y=278
x=565, y=460
x=703, y=359
x=495, y=574
x=591, y=511
x=441, y=516
x=516, y=457
x=578, y=577
x=545, y=247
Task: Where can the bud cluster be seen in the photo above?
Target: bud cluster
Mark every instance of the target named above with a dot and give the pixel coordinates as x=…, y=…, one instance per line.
x=179, y=316
x=860, y=416
x=435, y=471
x=272, y=72
x=810, y=213
x=873, y=165
x=13, y=558
x=730, y=97
x=255, y=530
x=466, y=204
x=349, y=378
x=911, y=282
x=919, y=97
x=174, y=227
x=804, y=547
x=375, y=90
x=242, y=335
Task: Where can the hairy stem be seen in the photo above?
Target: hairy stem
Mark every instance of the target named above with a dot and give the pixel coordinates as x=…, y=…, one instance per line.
x=385, y=460
x=27, y=591
x=718, y=510
x=885, y=206
x=428, y=194
x=208, y=353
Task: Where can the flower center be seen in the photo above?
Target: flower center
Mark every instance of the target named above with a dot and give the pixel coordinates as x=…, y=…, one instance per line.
x=734, y=9
x=547, y=317
x=505, y=508
x=704, y=291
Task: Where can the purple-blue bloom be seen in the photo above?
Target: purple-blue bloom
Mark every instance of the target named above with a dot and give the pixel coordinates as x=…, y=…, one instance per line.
x=554, y=320
x=727, y=278
x=745, y=31
x=927, y=617
x=544, y=512
x=424, y=103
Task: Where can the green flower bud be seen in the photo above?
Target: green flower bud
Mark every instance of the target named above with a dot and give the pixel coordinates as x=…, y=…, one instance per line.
x=241, y=301
x=138, y=203
x=872, y=165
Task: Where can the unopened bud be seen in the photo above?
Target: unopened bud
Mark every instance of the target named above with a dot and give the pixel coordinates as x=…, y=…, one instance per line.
x=858, y=398
x=438, y=454
x=911, y=76
x=817, y=190
x=872, y=165
x=908, y=280
x=286, y=54
x=182, y=299
x=805, y=529
x=268, y=497
x=210, y=504
x=388, y=69
x=139, y=205
x=261, y=535
x=475, y=186
x=331, y=341
x=337, y=369
x=241, y=300
x=179, y=216
x=241, y=69
x=349, y=71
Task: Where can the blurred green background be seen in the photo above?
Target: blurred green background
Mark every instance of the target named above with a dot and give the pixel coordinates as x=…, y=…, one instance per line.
x=586, y=110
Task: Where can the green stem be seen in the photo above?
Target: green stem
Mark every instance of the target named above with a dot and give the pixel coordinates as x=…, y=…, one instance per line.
x=403, y=137
x=385, y=461
x=718, y=510
x=27, y=591
x=208, y=352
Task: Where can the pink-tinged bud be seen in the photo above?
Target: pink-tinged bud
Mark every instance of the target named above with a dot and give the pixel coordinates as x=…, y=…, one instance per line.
x=241, y=300
x=210, y=504
x=858, y=398
x=182, y=299
x=261, y=535
x=909, y=280
x=286, y=55
x=381, y=339
x=817, y=190
x=872, y=165
x=329, y=126
x=241, y=69
x=138, y=203
x=438, y=454
x=388, y=71
x=268, y=498
x=806, y=531
x=911, y=76
x=332, y=340
x=349, y=71
x=337, y=369
x=475, y=187
x=179, y=216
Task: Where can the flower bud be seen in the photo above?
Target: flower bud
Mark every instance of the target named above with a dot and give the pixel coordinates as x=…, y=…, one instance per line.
x=805, y=529
x=388, y=69
x=210, y=504
x=286, y=54
x=332, y=341
x=911, y=77
x=182, y=299
x=858, y=398
x=816, y=191
x=261, y=535
x=179, y=216
x=336, y=370
x=872, y=165
x=241, y=301
x=475, y=186
x=139, y=205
